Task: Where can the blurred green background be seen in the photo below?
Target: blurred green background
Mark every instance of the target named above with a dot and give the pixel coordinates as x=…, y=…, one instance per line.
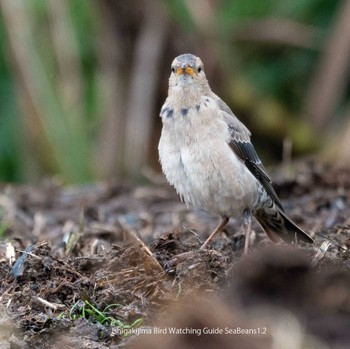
x=82, y=82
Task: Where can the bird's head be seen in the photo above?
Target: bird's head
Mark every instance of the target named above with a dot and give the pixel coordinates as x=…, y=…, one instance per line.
x=187, y=69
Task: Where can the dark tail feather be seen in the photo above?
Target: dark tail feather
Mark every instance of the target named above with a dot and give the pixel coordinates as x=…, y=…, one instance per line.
x=278, y=226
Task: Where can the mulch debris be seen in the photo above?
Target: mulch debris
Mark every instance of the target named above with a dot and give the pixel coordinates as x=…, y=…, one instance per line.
x=110, y=265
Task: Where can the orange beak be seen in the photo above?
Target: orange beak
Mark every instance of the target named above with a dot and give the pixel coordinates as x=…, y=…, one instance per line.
x=187, y=70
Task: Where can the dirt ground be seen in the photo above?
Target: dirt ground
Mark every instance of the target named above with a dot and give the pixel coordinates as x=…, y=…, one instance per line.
x=110, y=266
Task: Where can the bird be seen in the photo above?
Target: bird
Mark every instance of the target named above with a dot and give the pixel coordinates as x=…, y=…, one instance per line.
x=207, y=155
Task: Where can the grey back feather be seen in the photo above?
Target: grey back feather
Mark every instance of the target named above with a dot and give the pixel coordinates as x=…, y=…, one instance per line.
x=244, y=149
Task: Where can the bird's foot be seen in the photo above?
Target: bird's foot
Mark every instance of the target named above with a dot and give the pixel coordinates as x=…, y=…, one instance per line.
x=217, y=230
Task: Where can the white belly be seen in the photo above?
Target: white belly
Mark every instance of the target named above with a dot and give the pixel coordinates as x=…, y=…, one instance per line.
x=208, y=175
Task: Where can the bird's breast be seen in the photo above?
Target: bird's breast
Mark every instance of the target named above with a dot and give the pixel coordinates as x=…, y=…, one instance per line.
x=198, y=162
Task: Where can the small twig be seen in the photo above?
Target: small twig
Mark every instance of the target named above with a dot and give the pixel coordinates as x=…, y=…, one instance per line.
x=321, y=252
x=45, y=303
x=34, y=247
x=48, y=304
x=332, y=241
x=69, y=269
x=10, y=253
x=30, y=254
x=6, y=292
x=135, y=240
x=191, y=231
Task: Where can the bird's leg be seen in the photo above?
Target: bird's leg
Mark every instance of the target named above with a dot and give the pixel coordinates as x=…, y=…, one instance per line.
x=247, y=220
x=218, y=229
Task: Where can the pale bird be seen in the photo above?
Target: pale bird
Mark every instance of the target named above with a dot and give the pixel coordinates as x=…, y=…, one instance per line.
x=206, y=154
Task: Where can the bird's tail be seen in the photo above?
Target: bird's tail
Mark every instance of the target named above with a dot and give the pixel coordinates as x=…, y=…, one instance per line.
x=278, y=226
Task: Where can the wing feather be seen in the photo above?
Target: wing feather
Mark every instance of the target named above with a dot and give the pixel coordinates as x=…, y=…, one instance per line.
x=244, y=149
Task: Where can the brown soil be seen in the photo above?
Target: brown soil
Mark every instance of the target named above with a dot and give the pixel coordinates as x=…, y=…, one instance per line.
x=133, y=254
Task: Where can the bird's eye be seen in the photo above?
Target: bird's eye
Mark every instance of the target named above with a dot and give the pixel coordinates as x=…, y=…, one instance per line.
x=199, y=69
x=173, y=69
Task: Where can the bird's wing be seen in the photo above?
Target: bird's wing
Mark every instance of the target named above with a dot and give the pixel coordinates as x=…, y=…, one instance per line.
x=244, y=149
